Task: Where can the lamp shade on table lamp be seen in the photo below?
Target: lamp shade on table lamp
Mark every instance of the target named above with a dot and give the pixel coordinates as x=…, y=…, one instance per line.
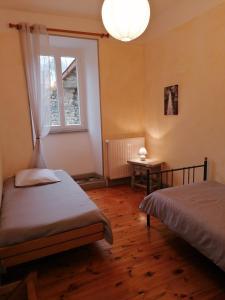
x=142, y=153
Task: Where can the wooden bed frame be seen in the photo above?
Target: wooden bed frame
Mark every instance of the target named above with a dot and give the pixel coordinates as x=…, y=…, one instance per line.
x=45, y=246
x=23, y=290
x=188, y=177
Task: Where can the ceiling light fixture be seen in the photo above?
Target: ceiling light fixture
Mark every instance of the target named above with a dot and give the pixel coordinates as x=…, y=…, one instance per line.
x=125, y=20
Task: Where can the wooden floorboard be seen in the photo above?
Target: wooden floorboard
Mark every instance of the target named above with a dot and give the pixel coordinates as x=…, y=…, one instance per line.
x=140, y=265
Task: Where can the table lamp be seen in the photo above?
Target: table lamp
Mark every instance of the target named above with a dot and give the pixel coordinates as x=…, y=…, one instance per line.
x=142, y=153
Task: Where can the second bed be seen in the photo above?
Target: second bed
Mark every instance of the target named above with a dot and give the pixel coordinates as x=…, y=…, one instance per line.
x=196, y=212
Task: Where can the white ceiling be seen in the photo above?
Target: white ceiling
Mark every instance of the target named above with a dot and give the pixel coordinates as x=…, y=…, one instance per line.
x=82, y=8
x=166, y=14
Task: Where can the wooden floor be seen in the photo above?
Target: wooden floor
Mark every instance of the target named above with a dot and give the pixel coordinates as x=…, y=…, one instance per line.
x=140, y=265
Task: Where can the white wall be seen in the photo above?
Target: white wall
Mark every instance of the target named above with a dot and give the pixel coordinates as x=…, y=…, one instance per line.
x=70, y=151
x=80, y=152
x=93, y=105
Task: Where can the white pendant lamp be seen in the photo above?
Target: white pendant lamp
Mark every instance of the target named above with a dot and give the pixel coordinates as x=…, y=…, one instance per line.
x=125, y=20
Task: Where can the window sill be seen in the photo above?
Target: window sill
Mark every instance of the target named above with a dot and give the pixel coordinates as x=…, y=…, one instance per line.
x=67, y=131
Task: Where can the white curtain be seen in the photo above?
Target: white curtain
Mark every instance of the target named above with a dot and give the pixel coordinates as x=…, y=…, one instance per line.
x=35, y=47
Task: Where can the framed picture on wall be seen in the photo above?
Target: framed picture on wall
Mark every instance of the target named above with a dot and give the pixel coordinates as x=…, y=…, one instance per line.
x=171, y=100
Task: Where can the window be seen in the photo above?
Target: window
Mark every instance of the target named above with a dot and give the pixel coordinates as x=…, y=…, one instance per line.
x=67, y=107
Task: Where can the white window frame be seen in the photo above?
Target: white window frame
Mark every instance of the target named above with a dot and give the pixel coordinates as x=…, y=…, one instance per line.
x=57, y=53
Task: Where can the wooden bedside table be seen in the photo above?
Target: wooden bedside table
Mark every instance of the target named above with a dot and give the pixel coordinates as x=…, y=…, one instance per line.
x=139, y=172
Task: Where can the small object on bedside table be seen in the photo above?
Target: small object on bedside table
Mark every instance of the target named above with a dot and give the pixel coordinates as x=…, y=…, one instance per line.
x=139, y=172
x=142, y=153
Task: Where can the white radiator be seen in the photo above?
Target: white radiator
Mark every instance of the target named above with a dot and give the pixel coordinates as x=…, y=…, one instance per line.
x=119, y=152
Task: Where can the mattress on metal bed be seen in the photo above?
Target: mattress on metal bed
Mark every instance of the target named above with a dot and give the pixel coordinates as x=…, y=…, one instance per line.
x=196, y=212
x=34, y=212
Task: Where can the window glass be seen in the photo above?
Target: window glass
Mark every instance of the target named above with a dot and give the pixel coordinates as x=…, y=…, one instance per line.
x=71, y=99
x=54, y=101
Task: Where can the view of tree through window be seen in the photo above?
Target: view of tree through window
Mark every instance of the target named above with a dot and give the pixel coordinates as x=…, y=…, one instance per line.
x=64, y=97
x=70, y=91
x=54, y=102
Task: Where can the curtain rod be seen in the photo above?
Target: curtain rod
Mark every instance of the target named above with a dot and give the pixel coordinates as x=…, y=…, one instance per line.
x=101, y=35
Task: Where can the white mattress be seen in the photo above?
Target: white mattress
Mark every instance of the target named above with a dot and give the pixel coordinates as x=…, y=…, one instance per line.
x=196, y=212
x=33, y=212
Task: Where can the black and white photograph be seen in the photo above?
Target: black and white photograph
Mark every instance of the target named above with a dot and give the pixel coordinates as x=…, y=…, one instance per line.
x=171, y=100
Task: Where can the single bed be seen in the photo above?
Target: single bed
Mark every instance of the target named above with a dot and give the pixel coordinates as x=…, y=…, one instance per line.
x=47, y=219
x=194, y=211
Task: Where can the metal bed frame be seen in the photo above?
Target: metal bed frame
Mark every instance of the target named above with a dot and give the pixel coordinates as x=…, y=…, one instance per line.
x=164, y=175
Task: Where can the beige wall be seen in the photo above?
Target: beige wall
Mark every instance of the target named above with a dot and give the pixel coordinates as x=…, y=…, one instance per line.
x=122, y=90
x=122, y=86
x=14, y=116
x=193, y=56
x=1, y=175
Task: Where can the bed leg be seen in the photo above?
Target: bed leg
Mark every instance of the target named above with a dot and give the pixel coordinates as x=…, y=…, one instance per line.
x=148, y=221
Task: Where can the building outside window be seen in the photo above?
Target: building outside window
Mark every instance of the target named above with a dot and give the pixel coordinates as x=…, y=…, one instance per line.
x=67, y=107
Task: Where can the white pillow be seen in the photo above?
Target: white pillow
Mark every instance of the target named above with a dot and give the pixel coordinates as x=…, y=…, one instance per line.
x=32, y=177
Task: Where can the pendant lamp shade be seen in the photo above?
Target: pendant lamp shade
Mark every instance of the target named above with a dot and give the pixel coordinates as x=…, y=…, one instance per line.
x=125, y=20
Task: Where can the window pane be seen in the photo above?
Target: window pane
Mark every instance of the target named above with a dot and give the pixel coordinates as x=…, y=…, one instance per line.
x=54, y=101
x=70, y=91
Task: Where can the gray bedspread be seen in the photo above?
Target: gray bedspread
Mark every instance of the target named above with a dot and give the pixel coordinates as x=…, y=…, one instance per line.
x=196, y=212
x=34, y=212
